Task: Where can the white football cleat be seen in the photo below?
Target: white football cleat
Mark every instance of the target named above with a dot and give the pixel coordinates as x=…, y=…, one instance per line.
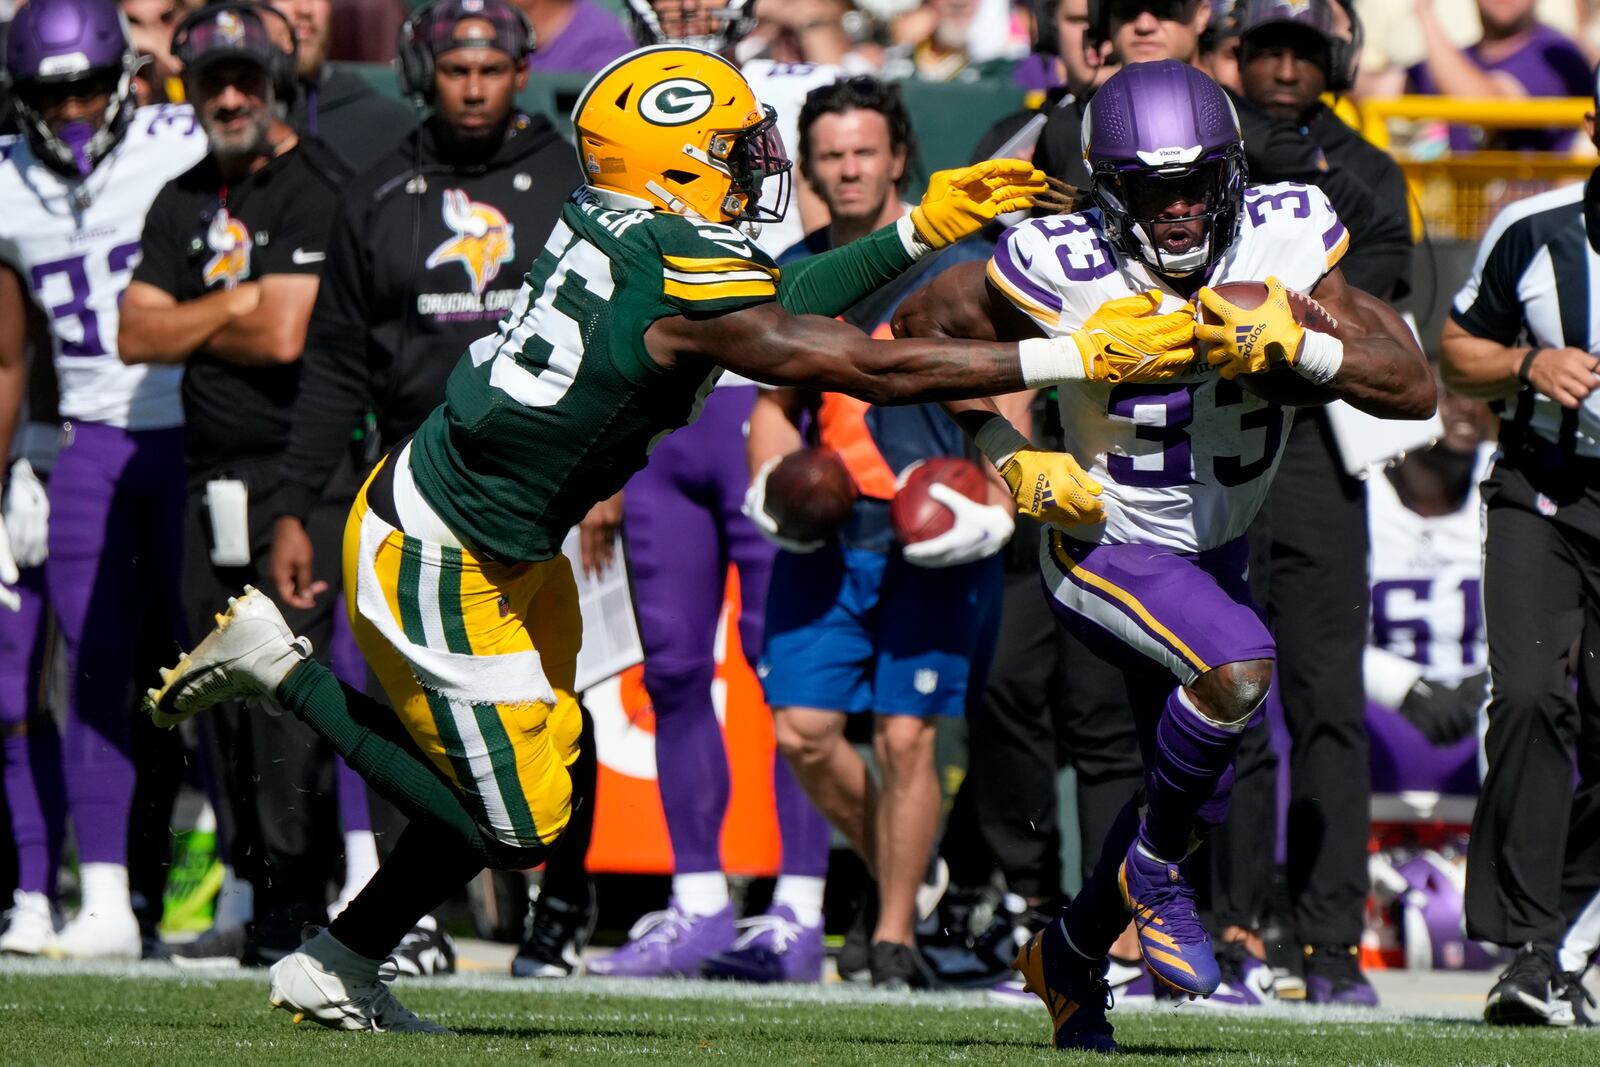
x=105, y=934
x=249, y=654
x=32, y=925
x=325, y=982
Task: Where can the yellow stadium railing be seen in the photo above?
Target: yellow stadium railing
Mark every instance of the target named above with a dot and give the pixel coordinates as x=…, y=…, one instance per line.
x=1457, y=195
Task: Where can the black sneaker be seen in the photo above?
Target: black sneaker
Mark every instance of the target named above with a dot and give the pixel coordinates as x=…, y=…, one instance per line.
x=854, y=961
x=1529, y=992
x=558, y=931
x=426, y=950
x=1578, y=997
x=215, y=948
x=1333, y=976
x=896, y=966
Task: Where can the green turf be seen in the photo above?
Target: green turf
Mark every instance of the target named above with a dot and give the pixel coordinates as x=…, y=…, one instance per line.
x=145, y=1017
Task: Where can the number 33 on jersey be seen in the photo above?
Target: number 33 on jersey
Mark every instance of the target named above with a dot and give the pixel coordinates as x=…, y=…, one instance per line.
x=1185, y=463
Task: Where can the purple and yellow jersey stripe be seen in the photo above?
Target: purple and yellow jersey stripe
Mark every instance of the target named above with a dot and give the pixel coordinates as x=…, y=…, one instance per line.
x=1335, y=242
x=1008, y=270
x=706, y=279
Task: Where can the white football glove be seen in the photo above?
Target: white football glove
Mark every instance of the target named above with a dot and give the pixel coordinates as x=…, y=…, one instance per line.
x=755, y=509
x=8, y=574
x=27, y=515
x=979, y=532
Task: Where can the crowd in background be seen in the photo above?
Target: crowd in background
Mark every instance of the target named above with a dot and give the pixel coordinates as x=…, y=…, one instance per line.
x=295, y=385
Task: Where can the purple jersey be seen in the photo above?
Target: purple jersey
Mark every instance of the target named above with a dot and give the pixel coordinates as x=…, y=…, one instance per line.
x=1547, y=64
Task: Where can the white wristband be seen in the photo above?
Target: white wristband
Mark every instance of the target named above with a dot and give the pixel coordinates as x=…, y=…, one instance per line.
x=1049, y=361
x=1321, y=356
x=913, y=242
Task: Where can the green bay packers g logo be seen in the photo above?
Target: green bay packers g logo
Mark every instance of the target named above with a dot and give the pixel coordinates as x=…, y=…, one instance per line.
x=675, y=102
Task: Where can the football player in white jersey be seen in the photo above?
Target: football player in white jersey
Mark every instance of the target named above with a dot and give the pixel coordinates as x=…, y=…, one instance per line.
x=74, y=189
x=1184, y=463
x=1426, y=656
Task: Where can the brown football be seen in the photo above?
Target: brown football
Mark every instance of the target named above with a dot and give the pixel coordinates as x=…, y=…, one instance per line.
x=919, y=517
x=1281, y=384
x=810, y=494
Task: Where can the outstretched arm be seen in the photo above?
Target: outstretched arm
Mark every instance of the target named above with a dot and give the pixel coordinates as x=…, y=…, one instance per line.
x=768, y=344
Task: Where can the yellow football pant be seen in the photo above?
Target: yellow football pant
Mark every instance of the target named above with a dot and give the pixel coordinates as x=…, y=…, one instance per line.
x=509, y=760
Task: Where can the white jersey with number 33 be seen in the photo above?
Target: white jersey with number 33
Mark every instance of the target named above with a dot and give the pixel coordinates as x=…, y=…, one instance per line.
x=75, y=243
x=1185, y=463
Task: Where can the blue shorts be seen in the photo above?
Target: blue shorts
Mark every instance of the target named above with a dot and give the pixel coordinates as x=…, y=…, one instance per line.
x=852, y=630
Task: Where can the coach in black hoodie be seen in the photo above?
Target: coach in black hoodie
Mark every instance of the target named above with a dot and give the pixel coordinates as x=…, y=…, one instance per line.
x=428, y=249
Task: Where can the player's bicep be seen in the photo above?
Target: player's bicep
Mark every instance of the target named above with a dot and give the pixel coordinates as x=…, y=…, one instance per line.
x=144, y=296
x=13, y=319
x=961, y=302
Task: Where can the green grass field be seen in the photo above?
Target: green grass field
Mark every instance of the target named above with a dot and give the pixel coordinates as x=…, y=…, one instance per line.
x=155, y=1015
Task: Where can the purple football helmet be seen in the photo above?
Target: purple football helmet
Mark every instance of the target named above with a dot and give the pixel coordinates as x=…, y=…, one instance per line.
x=1161, y=131
x=724, y=25
x=67, y=43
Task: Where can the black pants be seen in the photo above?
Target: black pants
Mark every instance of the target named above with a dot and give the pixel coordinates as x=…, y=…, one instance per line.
x=273, y=777
x=1541, y=594
x=1309, y=569
x=1050, y=702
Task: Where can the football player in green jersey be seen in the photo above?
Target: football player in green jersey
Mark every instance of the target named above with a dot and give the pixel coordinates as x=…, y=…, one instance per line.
x=646, y=290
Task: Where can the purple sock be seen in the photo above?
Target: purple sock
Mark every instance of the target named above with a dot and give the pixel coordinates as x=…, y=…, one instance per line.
x=1192, y=755
x=32, y=771
x=803, y=830
x=98, y=773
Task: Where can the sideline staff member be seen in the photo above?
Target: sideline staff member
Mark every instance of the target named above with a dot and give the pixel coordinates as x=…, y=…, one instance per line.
x=232, y=249
x=1520, y=334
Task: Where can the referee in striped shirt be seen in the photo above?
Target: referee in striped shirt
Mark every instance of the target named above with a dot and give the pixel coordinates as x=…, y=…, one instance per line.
x=1524, y=332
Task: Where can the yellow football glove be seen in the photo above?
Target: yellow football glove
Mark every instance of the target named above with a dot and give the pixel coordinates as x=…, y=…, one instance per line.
x=1251, y=340
x=1051, y=487
x=959, y=202
x=1126, y=341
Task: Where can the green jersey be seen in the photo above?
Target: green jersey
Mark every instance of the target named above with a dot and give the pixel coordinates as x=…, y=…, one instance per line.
x=557, y=409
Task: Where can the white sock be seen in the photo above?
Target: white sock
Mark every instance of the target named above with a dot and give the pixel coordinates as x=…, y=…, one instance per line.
x=703, y=893
x=360, y=861
x=801, y=894
x=236, y=902
x=105, y=889
x=339, y=958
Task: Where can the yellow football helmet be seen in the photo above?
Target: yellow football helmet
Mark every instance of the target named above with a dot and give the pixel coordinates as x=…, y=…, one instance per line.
x=679, y=129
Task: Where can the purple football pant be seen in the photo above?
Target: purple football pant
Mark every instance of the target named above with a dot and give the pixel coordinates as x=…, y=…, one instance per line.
x=683, y=526
x=1134, y=604
x=116, y=550
x=350, y=667
x=31, y=764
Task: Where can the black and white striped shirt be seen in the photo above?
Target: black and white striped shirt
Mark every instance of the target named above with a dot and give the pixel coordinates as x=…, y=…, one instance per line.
x=1536, y=281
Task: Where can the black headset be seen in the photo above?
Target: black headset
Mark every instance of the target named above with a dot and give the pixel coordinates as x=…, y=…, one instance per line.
x=1046, y=41
x=281, y=65
x=1344, y=57
x=413, y=53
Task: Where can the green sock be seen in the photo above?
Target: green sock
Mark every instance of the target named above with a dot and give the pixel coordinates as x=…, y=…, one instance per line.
x=393, y=768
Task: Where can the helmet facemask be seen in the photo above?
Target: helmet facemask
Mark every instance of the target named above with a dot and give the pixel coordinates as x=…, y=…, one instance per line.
x=77, y=147
x=714, y=28
x=1134, y=200
x=750, y=156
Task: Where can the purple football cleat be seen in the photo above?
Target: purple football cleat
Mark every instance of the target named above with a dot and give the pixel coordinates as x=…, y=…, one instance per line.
x=1333, y=976
x=775, y=947
x=1072, y=987
x=1175, y=946
x=669, y=944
